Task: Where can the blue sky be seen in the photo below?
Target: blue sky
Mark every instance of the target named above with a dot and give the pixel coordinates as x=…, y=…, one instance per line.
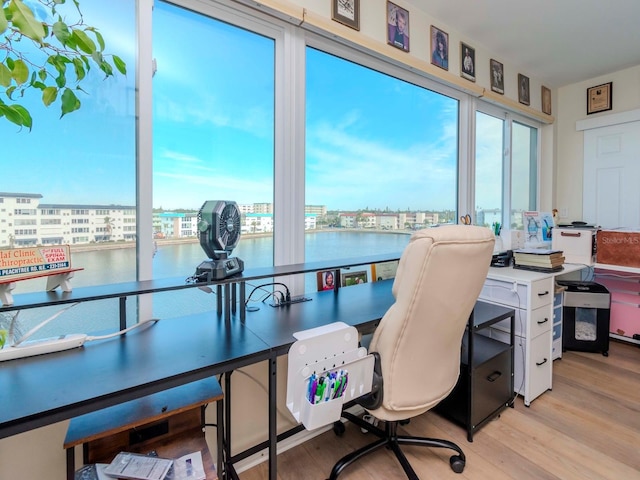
x=371, y=140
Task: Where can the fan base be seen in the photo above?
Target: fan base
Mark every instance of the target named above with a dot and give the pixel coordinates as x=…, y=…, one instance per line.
x=211, y=270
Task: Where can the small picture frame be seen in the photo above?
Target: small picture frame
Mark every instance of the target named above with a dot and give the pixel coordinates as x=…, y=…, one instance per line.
x=353, y=278
x=346, y=12
x=397, y=26
x=599, y=98
x=467, y=62
x=327, y=280
x=384, y=270
x=439, y=48
x=546, y=100
x=523, y=90
x=496, y=70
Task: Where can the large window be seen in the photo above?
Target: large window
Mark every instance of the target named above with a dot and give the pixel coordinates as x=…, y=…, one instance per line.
x=83, y=162
x=381, y=158
x=489, y=169
x=524, y=171
x=213, y=139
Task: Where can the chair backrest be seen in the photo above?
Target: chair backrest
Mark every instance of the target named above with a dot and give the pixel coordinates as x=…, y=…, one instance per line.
x=439, y=278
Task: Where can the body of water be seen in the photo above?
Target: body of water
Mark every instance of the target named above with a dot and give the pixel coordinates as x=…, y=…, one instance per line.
x=105, y=266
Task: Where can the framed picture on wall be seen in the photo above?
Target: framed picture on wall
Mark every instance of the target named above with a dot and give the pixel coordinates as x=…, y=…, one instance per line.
x=523, y=89
x=439, y=48
x=467, y=62
x=599, y=98
x=546, y=100
x=346, y=12
x=397, y=26
x=496, y=70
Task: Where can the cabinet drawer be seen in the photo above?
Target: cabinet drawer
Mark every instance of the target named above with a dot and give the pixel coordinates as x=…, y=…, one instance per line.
x=556, y=348
x=557, y=331
x=539, y=366
x=500, y=291
x=540, y=321
x=542, y=292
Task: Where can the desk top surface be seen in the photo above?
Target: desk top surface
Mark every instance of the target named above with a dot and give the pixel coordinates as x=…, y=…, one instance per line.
x=38, y=391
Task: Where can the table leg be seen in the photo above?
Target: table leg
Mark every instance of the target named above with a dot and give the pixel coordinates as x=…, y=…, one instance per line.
x=273, y=426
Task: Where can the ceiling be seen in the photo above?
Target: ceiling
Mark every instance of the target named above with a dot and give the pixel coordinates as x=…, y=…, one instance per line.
x=558, y=42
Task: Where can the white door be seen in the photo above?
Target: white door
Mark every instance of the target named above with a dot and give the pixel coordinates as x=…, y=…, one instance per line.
x=611, y=190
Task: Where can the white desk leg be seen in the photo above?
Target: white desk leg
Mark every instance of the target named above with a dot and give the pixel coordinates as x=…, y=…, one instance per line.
x=5, y=293
x=61, y=280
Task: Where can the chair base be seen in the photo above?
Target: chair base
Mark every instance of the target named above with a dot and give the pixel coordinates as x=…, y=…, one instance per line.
x=390, y=439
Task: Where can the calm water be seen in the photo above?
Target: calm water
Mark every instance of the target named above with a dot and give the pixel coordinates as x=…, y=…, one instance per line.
x=119, y=265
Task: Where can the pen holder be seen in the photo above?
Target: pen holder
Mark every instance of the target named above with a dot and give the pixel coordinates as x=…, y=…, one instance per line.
x=320, y=353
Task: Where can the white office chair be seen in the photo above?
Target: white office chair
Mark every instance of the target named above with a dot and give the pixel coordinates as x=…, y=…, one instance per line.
x=418, y=341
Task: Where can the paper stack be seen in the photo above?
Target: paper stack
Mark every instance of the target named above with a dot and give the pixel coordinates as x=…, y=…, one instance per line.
x=537, y=259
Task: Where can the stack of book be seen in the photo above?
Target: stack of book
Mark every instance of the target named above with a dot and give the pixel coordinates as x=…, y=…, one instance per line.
x=537, y=259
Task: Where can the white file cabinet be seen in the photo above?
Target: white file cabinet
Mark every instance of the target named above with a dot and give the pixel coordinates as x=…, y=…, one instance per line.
x=531, y=294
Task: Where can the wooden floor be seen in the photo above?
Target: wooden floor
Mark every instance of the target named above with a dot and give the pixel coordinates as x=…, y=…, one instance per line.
x=586, y=428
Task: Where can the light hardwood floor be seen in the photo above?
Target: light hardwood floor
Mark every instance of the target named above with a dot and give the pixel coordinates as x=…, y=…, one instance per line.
x=586, y=428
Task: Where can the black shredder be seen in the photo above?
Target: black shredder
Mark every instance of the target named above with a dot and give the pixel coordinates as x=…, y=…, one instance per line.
x=585, y=317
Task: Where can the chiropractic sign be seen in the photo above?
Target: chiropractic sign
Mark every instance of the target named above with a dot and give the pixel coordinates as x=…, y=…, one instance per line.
x=22, y=263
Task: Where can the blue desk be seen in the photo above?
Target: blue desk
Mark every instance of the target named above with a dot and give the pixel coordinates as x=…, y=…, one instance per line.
x=170, y=353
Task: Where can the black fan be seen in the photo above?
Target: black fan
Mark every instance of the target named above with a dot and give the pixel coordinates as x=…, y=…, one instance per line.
x=219, y=232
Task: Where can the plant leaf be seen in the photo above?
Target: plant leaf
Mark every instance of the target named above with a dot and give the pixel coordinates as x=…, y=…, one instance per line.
x=120, y=65
x=4, y=24
x=61, y=32
x=23, y=19
x=5, y=75
x=83, y=41
x=70, y=102
x=79, y=67
x=49, y=95
x=27, y=121
x=20, y=72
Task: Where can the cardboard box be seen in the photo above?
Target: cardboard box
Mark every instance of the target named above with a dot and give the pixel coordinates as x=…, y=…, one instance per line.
x=618, y=247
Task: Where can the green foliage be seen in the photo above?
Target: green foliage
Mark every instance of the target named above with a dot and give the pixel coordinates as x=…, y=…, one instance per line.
x=68, y=50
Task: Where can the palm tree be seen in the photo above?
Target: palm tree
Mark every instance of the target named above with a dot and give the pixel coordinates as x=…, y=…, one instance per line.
x=108, y=226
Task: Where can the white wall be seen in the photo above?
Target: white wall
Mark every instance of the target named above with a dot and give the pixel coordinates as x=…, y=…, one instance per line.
x=572, y=107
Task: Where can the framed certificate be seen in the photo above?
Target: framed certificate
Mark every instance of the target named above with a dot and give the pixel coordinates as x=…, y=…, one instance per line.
x=346, y=12
x=599, y=98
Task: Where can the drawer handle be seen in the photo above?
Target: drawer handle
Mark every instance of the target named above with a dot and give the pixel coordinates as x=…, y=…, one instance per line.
x=543, y=321
x=542, y=362
x=494, y=376
x=543, y=293
x=568, y=234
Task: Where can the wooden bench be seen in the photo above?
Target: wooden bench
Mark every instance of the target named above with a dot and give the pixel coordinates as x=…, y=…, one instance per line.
x=17, y=264
x=170, y=422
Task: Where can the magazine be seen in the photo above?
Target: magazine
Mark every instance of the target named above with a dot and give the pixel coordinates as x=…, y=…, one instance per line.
x=138, y=467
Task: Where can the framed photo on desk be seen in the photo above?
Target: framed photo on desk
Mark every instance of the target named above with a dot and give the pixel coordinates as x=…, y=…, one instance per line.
x=353, y=278
x=327, y=280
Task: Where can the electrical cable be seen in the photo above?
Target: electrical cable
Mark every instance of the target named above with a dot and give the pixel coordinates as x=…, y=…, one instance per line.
x=122, y=332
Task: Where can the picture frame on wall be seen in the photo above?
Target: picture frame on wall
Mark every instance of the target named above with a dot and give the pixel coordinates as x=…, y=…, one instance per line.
x=439, y=48
x=599, y=98
x=397, y=26
x=496, y=70
x=467, y=62
x=523, y=90
x=546, y=100
x=346, y=12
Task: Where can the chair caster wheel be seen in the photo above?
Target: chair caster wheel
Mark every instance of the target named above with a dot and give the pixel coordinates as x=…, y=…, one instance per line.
x=338, y=428
x=457, y=464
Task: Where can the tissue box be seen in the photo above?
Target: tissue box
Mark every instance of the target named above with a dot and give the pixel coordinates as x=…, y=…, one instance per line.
x=618, y=247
